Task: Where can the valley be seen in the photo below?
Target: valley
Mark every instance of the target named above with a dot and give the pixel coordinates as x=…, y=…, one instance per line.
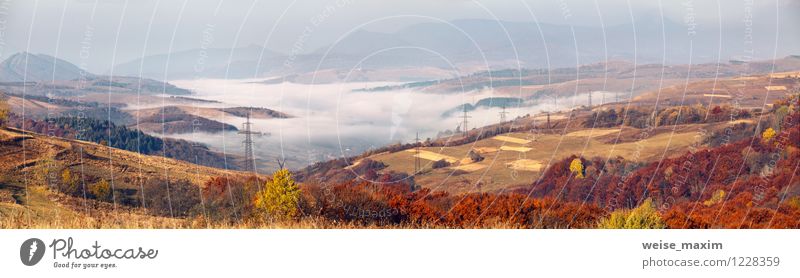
x=396, y=154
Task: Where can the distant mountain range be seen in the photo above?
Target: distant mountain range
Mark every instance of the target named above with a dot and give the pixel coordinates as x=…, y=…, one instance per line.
x=472, y=43
x=217, y=62
x=43, y=75
x=38, y=68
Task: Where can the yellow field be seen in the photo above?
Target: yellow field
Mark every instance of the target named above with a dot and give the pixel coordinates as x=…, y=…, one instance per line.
x=485, y=150
x=510, y=139
x=525, y=165
x=432, y=156
x=775, y=88
x=592, y=132
x=515, y=149
x=716, y=95
x=784, y=74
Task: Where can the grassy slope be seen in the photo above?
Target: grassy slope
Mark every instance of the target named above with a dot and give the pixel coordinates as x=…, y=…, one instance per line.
x=26, y=158
x=25, y=154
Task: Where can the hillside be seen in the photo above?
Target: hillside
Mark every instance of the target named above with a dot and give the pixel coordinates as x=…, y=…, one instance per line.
x=176, y=120
x=27, y=155
x=508, y=155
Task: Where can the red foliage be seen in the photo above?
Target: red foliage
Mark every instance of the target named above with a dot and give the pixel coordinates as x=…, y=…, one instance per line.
x=215, y=187
x=737, y=213
x=369, y=203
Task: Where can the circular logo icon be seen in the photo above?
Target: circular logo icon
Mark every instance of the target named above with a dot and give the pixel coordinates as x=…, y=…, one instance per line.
x=31, y=251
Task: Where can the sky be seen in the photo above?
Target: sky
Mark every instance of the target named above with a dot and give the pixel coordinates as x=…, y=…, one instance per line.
x=97, y=34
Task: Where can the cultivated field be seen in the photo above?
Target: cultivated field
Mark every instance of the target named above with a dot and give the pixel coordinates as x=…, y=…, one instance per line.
x=515, y=159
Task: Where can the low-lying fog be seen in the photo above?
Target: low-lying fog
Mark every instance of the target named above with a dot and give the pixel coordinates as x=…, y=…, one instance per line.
x=332, y=121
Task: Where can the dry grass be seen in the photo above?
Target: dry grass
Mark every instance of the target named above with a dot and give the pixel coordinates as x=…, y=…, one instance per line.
x=470, y=167
x=552, y=117
x=126, y=168
x=41, y=208
x=511, y=139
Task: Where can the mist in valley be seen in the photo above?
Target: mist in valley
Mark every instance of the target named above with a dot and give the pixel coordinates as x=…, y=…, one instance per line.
x=333, y=121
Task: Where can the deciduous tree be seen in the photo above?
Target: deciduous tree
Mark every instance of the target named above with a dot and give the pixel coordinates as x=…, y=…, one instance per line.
x=280, y=197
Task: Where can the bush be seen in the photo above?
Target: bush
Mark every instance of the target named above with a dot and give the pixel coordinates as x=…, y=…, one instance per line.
x=280, y=197
x=768, y=134
x=644, y=216
x=229, y=199
x=101, y=190
x=475, y=157
x=576, y=166
x=180, y=198
x=440, y=164
x=69, y=182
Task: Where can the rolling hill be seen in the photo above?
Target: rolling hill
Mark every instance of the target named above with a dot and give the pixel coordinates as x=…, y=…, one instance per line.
x=33, y=168
x=519, y=151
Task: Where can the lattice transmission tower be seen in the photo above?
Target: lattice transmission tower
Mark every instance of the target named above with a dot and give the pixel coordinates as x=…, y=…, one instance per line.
x=250, y=161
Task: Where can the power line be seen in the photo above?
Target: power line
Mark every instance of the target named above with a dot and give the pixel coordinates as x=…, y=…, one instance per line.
x=590, y=100
x=503, y=114
x=465, y=121
x=250, y=163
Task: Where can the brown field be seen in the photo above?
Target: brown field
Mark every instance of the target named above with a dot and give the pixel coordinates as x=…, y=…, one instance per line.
x=470, y=167
x=749, y=91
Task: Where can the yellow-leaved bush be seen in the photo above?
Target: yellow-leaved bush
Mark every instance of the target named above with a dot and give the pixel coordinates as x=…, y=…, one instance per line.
x=768, y=134
x=280, y=197
x=576, y=166
x=645, y=216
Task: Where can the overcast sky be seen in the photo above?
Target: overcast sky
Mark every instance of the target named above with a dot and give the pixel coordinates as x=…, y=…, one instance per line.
x=97, y=34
